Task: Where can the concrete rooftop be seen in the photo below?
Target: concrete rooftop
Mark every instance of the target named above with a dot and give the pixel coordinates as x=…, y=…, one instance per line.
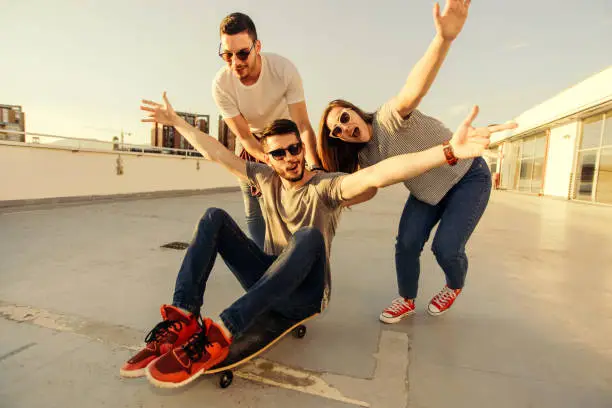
x=80, y=286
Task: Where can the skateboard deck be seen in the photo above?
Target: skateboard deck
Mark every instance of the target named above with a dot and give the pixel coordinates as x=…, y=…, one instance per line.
x=267, y=330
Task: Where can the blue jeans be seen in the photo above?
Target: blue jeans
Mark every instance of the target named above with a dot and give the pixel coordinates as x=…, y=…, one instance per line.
x=291, y=283
x=254, y=217
x=458, y=213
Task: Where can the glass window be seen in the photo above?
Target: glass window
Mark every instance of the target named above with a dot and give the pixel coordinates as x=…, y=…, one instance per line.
x=540, y=146
x=525, y=175
x=607, y=137
x=538, y=172
x=530, y=163
x=604, y=178
x=586, y=171
x=591, y=132
x=528, y=147
x=509, y=166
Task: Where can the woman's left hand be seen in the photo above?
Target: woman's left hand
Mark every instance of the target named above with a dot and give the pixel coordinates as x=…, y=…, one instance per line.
x=450, y=22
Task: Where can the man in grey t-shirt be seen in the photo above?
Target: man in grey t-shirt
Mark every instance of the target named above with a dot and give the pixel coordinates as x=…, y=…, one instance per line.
x=291, y=275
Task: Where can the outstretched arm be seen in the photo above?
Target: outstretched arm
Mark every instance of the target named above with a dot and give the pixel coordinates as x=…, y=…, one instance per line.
x=207, y=145
x=448, y=26
x=466, y=142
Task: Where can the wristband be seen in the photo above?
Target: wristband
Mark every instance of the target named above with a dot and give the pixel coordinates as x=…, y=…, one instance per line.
x=451, y=159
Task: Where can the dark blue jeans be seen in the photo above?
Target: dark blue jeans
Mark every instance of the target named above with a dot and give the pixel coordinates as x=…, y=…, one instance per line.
x=458, y=213
x=291, y=283
x=254, y=218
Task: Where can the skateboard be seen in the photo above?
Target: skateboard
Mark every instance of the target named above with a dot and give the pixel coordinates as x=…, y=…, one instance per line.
x=267, y=330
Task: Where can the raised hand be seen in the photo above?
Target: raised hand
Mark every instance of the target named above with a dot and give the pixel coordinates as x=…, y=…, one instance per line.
x=159, y=113
x=468, y=141
x=450, y=22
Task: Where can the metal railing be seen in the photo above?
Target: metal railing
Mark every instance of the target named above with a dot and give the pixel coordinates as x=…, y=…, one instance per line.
x=76, y=144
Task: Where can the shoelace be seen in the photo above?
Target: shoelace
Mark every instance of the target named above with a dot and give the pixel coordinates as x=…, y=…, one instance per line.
x=162, y=329
x=398, y=305
x=196, y=346
x=445, y=296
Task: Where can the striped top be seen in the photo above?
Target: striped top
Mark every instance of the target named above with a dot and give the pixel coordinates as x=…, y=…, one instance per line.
x=392, y=135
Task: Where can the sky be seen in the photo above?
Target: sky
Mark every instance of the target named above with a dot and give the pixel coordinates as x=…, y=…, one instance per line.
x=80, y=68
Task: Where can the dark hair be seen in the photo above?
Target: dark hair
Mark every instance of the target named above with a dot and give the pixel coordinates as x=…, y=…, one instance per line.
x=335, y=154
x=236, y=23
x=280, y=127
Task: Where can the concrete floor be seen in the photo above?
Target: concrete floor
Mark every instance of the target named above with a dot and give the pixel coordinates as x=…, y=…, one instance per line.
x=81, y=285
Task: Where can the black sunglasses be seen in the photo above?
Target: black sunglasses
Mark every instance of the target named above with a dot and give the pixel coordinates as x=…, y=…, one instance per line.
x=293, y=150
x=242, y=55
x=344, y=118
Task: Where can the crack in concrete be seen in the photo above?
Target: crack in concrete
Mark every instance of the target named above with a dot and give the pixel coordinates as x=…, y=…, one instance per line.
x=17, y=351
x=388, y=388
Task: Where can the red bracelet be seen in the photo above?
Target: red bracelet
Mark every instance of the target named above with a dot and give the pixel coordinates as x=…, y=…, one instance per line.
x=451, y=159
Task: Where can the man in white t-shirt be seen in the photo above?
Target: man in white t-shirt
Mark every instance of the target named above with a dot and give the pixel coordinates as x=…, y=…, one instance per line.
x=252, y=91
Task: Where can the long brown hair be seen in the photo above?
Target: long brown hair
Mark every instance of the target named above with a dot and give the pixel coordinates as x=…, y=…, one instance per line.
x=335, y=154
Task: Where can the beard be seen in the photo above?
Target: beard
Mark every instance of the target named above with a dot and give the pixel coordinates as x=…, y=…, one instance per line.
x=295, y=178
x=242, y=71
x=291, y=176
x=243, y=74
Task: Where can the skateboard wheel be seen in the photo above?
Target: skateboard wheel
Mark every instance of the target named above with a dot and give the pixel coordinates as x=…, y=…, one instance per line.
x=300, y=331
x=226, y=379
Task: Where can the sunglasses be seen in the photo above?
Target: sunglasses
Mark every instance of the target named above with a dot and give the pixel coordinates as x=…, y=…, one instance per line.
x=293, y=150
x=242, y=55
x=344, y=118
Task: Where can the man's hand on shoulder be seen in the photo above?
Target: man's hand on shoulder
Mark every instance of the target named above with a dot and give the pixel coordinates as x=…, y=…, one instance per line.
x=316, y=167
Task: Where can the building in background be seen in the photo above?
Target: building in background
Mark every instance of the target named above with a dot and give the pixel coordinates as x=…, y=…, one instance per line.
x=168, y=137
x=12, y=117
x=226, y=136
x=562, y=147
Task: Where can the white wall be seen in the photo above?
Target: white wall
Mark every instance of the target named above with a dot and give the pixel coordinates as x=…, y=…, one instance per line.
x=559, y=167
x=29, y=172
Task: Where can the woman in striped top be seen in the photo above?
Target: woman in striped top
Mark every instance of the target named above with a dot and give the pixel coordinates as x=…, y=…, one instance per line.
x=455, y=196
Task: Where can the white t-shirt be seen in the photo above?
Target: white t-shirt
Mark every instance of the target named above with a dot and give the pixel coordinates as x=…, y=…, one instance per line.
x=278, y=86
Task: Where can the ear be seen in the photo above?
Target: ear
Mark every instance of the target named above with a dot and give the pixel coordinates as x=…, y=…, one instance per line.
x=258, y=46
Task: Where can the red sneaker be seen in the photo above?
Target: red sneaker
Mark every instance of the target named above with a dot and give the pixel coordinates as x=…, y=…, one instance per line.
x=443, y=301
x=398, y=309
x=173, y=331
x=184, y=364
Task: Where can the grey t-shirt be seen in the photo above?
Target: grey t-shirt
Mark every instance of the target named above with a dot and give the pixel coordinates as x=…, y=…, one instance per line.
x=318, y=203
x=392, y=135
